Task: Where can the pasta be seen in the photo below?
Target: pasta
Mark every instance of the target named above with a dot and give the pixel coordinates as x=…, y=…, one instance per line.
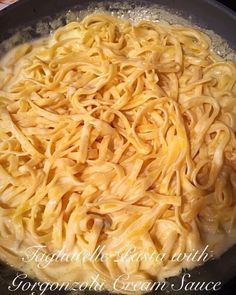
x=118, y=136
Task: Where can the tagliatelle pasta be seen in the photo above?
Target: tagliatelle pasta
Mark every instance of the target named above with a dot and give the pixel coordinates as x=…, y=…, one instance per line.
x=119, y=136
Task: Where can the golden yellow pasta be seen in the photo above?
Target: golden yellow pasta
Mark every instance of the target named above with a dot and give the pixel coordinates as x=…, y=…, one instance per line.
x=116, y=136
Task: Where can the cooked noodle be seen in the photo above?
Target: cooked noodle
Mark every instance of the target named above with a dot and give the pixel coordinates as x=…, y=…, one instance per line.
x=118, y=136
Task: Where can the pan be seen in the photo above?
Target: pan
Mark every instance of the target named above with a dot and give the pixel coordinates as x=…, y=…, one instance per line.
x=29, y=19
